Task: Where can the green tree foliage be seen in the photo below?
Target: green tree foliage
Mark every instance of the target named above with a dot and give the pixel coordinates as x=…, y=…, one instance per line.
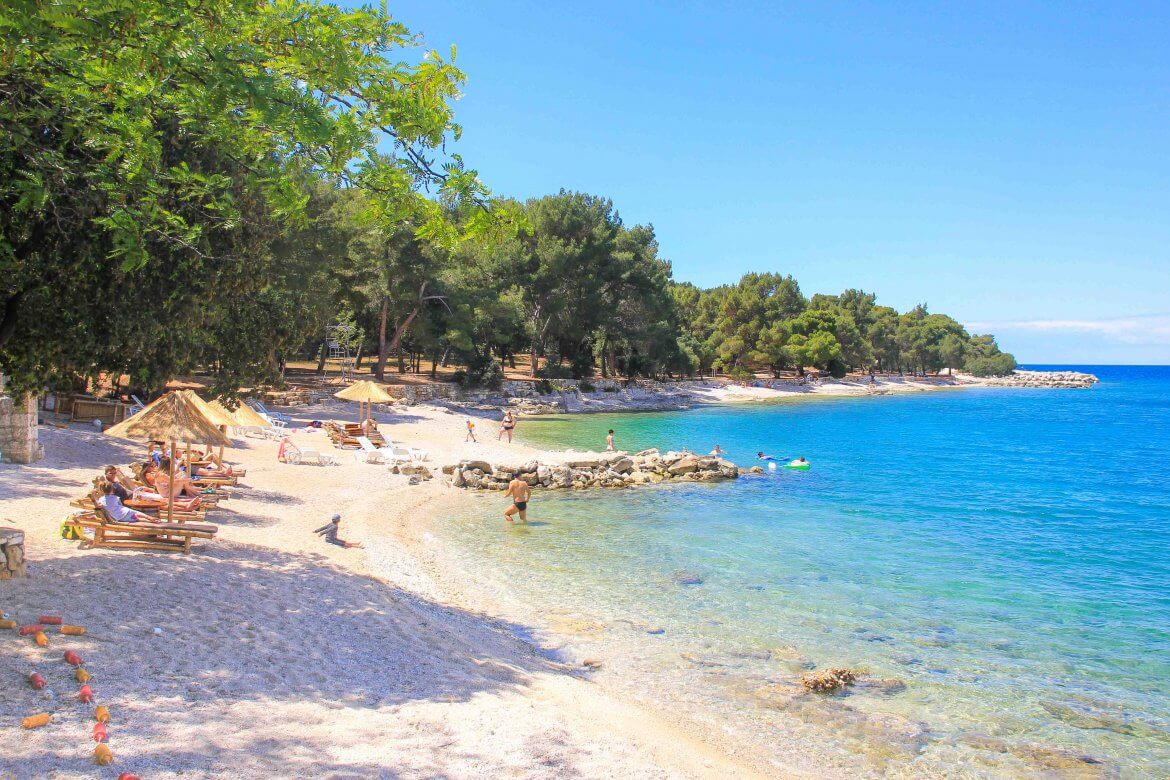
x=149, y=152
x=984, y=358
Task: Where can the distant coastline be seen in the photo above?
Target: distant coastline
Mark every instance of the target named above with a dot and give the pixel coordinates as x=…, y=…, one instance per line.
x=602, y=396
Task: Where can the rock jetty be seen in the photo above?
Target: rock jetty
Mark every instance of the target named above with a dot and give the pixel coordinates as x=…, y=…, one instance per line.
x=1052, y=379
x=611, y=470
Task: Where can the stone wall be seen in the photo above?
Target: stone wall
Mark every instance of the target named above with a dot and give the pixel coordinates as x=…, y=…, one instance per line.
x=18, y=430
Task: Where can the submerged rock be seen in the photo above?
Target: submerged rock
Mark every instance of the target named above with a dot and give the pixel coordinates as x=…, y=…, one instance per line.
x=686, y=577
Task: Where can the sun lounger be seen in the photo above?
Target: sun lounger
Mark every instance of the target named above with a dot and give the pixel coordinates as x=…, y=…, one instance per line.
x=295, y=455
x=272, y=417
x=371, y=454
x=140, y=536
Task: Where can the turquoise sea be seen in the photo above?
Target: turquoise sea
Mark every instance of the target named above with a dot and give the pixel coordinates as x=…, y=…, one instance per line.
x=1004, y=553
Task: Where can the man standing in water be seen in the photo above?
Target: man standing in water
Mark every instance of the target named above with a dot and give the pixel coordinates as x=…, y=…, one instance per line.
x=519, y=491
x=609, y=441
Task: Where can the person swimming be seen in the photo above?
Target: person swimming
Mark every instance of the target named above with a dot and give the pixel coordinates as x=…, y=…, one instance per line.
x=718, y=450
x=762, y=456
x=799, y=463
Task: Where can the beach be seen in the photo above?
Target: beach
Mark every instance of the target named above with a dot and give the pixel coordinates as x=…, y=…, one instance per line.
x=277, y=654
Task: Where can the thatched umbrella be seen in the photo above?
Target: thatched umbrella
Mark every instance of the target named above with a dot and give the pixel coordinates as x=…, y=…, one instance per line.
x=213, y=411
x=365, y=390
x=173, y=417
x=245, y=416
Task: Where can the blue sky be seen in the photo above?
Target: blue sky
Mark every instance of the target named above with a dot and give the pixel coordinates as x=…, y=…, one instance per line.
x=1007, y=163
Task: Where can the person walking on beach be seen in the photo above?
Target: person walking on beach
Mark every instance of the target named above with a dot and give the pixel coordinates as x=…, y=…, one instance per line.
x=329, y=531
x=470, y=431
x=519, y=491
x=506, y=426
x=609, y=441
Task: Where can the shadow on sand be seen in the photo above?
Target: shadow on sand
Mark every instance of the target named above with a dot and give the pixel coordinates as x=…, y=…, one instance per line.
x=248, y=630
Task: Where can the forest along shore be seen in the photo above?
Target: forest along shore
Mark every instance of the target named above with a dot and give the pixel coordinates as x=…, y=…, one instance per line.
x=570, y=396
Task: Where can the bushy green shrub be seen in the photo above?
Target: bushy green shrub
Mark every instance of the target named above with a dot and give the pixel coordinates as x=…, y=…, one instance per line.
x=554, y=370
x=586, y=387
x=741, y=374
x=837, y=369
x=543, y=386
x=1000, y=364
x=482, y=371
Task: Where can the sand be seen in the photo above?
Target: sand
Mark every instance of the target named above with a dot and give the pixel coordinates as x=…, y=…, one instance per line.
x=267, y=653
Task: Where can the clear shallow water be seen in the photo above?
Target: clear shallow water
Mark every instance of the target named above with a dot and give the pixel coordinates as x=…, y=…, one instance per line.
x=1006, y=553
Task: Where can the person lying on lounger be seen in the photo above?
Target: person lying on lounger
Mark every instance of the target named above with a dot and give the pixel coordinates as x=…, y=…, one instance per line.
x=116, y=510
x=182, y=486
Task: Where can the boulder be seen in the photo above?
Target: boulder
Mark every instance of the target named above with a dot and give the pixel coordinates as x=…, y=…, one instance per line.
x=529, y=477
x=622, y=465
x=457, y=479
x=449, y=470
x=482, y=465
x=684, y=465
x=653, y=451
x=584, y=463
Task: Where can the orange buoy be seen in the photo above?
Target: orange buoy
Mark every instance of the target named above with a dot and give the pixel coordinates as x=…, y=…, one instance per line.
x=41, y=639
x=36, y=681
x=99, y=732
x=6, y=623
x=102, y=755
x=127, y=776
x=30, y=629
x=82, y=675
x=85, y=694
x=73, y=630
x=101, y=714
x=72, y=658
x=36, y=721
x=51, y=620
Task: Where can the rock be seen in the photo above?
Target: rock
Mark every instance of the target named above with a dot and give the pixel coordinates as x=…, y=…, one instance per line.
x=457, y=479
x=544, y=474
x=686, y=465
x=471, y=479
x=482, y=465
x=592, y=664
x=1093, y=715
x=829, y=681
x=530, y=478
x=685, y=577
x=415, y=469
x=1066, y=763
x=503, y=473
x=884, y=686
x=583, y=463
x=622, y=465
x=779, y=696
x=652, y=452
x=656, y=630
x=756, y=470
x=449, y=470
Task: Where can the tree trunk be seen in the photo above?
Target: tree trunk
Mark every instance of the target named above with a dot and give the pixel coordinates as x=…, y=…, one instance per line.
x=380, y=368
x=447, y=354
x=324, y=352
x=532, y=365
x=434, y=365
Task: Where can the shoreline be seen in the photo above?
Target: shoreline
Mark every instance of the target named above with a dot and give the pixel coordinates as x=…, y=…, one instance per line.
x=421, y=646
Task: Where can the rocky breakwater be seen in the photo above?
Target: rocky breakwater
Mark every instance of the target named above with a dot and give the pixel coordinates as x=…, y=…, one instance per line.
x=1055, y=379
x=611, y=470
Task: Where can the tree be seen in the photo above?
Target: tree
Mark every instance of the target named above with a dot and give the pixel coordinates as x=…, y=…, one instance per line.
x=153, y=147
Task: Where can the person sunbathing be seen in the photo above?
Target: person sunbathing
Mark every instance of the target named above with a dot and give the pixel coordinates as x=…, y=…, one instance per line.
x=161, y=480
x=211, y=465
x=114, y=507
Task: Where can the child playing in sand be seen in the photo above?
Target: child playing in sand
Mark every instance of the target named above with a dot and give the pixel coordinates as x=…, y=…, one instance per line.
x=329, y=531
x=470, y=431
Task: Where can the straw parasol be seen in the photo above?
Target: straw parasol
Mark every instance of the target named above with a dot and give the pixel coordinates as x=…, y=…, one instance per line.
x=245, y=416
x=173, y=417
x=367, y=391
x=213, y=411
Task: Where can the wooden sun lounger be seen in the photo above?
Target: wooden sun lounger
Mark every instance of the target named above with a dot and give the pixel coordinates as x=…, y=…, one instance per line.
x=141, y=536
x=180, y=515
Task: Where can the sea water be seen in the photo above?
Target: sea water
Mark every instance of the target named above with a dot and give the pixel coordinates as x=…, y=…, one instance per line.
x=1002, y=553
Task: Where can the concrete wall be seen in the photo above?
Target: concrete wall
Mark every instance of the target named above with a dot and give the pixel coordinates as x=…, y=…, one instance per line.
x=18, y=430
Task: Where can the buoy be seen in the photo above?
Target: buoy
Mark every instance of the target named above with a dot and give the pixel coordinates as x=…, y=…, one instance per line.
x=127, y=776
x=85, y=694
x=73, y=630
x=51, y=620
x=72, y=658
x=36, y=681
x=6, y=623
x=32, y=629
x=41, y=639
x=36, y=721
x=82, y=675
x=99, y=732
x=101, y=713
x=102, y=755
